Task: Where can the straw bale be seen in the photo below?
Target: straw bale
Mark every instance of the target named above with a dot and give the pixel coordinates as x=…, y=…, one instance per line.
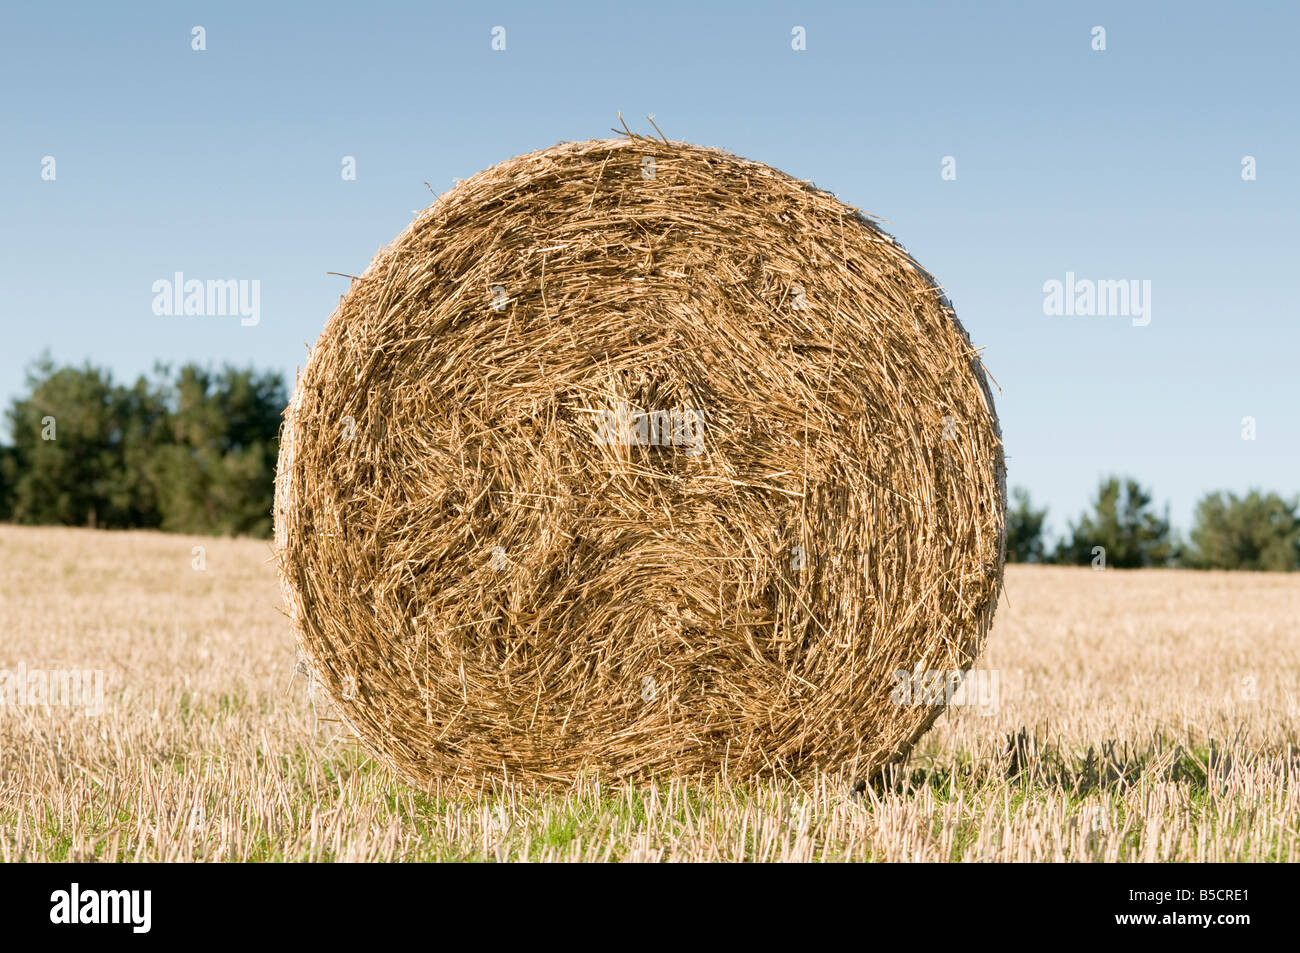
x=636, y=458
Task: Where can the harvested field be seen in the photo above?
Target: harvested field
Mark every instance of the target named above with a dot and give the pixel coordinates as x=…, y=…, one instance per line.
x=1145, y=715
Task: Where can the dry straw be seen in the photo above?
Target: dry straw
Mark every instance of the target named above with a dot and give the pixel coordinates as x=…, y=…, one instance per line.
x=636, y=458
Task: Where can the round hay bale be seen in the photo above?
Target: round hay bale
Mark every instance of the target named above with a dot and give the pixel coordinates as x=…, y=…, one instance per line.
x=635, y=458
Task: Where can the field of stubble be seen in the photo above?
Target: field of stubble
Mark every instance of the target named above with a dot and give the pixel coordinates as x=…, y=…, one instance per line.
x=1142, y=716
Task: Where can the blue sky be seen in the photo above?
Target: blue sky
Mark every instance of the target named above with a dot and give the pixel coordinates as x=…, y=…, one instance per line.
x=1119, y=164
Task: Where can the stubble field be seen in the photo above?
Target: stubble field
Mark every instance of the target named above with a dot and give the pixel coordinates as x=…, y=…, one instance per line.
x=1145, y=716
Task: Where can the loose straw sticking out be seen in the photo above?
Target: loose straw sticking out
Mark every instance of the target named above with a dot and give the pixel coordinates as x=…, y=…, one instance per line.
x=642, y=459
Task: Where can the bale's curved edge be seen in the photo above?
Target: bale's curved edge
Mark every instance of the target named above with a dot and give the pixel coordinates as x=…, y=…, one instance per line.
x=359, y=609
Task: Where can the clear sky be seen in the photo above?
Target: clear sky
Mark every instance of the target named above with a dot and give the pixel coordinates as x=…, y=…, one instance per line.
x=1125, y=163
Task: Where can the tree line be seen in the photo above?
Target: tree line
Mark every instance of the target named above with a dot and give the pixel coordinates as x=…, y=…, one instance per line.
x=189, y=450
x=1122, y=529
x=193, y=450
